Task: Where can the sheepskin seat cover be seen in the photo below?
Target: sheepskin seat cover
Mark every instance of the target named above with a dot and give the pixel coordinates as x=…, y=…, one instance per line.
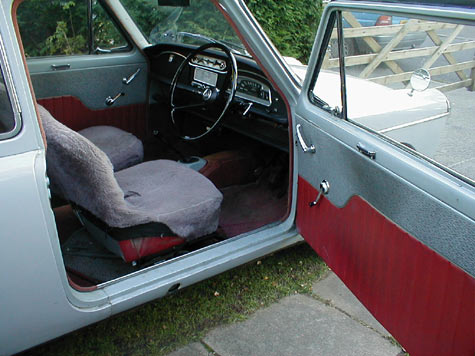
x=156, y=191
x=123, y=149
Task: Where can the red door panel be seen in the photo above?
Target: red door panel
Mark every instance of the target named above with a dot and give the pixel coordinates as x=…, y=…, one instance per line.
x=73, y=113
x=426, y=302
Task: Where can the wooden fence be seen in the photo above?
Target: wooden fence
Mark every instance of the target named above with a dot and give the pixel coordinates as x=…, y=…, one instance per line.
x=389, y=56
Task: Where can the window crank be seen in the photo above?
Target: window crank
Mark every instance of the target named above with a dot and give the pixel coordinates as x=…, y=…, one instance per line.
x=324, y=189
x=111, y=100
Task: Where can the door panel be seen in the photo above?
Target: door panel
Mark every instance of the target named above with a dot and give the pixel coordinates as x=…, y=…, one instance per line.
x=76, y=95
x=365, y=231
x=398, y=230
x=73, y=113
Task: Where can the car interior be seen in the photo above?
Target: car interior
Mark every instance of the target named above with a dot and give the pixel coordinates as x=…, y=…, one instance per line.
x=191, y=151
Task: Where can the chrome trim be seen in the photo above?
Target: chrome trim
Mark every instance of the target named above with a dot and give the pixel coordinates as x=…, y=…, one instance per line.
x=324, y=189
x=171, y=52
x=207, y=68
x=60, y=66
x=208, y=60
x=254, y=98
x=409, y=124
x=129, y=80
x=12, y=94
x=111, y=100
x=304, y=146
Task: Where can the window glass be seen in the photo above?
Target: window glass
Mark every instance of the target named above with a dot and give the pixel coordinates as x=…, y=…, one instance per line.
x=291, y=25
x=7, y=119
x=56, y=27
x=106, y=34
x=411, y=80
x=53, y=27
x=197, y=24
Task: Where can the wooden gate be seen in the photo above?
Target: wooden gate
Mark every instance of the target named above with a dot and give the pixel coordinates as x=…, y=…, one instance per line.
x=389, y=55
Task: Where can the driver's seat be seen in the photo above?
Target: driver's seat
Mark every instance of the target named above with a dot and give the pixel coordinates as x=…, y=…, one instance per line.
x=137, y=212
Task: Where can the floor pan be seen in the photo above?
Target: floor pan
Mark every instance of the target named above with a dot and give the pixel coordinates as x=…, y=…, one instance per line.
x=248, y=207
x=83, y=254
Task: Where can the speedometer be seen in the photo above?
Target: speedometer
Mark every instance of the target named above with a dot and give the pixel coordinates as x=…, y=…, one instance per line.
x=253, y=90
x=250, y=86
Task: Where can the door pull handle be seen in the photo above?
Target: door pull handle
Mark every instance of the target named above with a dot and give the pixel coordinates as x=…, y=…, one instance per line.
x=304, y=146
x=60, y=66
x=324, y=189
x=368, y=153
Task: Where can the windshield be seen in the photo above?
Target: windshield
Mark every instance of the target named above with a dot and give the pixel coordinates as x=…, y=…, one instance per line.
x=197, y=24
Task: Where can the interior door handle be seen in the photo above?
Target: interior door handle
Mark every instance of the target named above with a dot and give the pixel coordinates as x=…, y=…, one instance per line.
x=304, y=146
x=129, y=80
x=60, y=66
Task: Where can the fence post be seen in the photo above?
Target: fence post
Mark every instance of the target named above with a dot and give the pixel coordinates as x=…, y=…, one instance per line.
x=472, y=76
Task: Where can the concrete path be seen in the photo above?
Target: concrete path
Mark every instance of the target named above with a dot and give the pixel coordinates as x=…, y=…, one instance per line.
x=331, y=321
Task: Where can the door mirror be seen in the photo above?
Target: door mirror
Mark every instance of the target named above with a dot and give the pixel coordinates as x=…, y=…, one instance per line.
x=420, y=79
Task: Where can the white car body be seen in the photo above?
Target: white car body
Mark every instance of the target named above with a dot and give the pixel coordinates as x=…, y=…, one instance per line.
x=413, y=117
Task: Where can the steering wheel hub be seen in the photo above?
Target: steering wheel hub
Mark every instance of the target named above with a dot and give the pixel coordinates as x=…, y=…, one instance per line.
x=207, y=94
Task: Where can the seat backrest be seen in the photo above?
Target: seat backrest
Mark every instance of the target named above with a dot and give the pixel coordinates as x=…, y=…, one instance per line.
x=81, y=173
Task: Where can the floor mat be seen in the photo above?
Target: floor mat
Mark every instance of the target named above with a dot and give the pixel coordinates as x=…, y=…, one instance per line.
x=83, y=254
x=248, y=207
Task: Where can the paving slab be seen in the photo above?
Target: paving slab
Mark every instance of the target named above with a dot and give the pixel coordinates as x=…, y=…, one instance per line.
x=334, y=290
x=299, y=325
x=193, y=349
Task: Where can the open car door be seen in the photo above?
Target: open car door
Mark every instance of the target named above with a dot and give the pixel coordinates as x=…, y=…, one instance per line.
x=395, y=225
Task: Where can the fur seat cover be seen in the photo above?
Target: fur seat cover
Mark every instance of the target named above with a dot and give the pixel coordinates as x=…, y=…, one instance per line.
x=156, y=191
x=123, y=149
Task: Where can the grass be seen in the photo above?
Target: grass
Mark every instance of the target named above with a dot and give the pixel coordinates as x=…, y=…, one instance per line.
x=161, y=326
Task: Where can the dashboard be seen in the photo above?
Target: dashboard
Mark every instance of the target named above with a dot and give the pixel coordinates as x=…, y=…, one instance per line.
x=258, y=110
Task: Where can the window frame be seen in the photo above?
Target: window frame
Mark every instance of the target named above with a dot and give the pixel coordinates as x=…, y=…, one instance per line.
x=335, y=13
x=12, y=94
x=90, y=45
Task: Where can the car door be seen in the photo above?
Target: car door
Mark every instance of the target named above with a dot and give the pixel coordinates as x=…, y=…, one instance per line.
x=84, y=68
x=396, y=225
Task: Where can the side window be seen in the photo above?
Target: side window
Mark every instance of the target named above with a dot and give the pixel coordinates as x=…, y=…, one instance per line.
x=8, y=124
x=410, y=80
x=55, y=27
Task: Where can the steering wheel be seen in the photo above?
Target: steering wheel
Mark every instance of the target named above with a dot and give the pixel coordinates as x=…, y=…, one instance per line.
x=206, y=97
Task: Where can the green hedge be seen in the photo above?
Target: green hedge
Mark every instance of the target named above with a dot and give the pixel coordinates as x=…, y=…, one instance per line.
x=59, y=26
x=290, y=24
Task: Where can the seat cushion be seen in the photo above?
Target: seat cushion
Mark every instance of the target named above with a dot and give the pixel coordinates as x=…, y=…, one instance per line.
x=168, y=192
x=123, y=149
x=156, y=191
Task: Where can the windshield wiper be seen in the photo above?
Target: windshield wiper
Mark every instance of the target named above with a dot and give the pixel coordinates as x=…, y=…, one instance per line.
x=199, y=36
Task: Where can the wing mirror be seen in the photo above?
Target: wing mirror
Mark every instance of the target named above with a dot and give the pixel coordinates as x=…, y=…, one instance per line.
x=420, y=80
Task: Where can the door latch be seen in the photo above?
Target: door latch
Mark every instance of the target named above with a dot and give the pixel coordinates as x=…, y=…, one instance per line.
x=324, y=189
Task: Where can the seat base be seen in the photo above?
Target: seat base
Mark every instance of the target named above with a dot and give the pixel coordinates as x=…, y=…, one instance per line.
x=134, y=243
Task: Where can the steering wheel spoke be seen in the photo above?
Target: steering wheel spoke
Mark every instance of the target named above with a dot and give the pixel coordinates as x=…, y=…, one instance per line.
x=212, y=97
x=186, y=107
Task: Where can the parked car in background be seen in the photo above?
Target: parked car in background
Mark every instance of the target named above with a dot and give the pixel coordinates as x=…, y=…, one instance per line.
x=142, y=154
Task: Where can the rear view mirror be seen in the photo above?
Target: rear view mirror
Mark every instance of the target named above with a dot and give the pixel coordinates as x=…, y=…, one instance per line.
x=183, y=3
